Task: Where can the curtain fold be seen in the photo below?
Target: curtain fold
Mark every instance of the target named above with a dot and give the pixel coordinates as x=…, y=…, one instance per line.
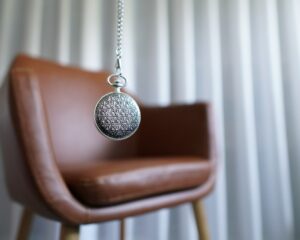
x=243, y=56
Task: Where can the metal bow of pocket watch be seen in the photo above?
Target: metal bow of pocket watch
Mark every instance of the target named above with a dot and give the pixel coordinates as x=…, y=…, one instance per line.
x=117, y=115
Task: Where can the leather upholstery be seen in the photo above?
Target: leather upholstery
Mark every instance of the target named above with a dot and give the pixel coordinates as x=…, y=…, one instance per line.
x=111, y=182
x=47, y=134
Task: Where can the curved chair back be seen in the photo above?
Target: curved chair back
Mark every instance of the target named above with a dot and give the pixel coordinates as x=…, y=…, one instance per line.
x=69, y=96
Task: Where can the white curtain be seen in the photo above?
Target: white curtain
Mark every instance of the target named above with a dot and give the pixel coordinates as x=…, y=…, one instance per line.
x=241, y=55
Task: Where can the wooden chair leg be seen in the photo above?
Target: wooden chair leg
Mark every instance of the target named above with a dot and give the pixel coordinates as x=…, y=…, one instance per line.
x=201, y=221
x=122, y=229
x=68, y=232
x=25, y=225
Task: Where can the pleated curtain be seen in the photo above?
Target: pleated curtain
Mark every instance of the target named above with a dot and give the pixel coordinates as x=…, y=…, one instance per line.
x=243, y=56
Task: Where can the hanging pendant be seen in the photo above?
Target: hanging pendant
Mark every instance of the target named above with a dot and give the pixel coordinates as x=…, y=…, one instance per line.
x=117, y=115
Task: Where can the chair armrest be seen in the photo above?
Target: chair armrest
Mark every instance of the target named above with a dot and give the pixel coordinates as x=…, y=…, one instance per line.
x=54, y=198
x=181, y=130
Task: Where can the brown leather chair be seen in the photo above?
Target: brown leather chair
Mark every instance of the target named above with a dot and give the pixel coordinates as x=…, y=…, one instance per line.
x=57, y=164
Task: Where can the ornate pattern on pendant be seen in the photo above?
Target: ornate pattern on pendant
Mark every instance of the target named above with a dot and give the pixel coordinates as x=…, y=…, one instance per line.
x=117, y=116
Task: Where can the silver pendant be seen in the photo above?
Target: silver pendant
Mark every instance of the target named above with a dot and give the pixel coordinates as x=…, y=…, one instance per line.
x=117, y=115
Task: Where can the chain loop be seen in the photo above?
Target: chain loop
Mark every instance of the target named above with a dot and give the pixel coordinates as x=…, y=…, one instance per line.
x=117, y=80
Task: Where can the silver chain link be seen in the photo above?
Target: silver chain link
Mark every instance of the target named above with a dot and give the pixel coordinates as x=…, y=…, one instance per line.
x=120, y=22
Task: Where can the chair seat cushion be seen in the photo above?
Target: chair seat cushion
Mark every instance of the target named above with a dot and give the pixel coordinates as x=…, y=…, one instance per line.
x=116, y=181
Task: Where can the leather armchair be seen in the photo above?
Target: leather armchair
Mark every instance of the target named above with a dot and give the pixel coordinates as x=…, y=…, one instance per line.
x=57, y=165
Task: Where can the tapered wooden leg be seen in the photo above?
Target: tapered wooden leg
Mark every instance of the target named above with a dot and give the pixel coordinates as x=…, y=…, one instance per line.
x=68, y=232
x=25, y=225
x=122, y=229
x=201, y=220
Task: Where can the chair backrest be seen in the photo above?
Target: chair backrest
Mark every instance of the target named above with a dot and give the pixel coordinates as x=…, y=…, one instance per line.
x=69, y=96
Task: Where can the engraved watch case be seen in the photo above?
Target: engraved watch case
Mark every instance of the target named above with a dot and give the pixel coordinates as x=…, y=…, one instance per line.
x=117, y=116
